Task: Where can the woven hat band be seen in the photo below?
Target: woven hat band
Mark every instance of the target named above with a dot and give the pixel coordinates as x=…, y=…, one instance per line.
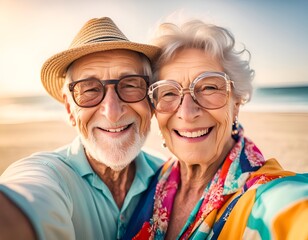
x=105, y=39
x=98, y=30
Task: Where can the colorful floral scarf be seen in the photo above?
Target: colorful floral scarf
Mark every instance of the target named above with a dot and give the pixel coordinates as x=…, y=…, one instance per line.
x=233, y=175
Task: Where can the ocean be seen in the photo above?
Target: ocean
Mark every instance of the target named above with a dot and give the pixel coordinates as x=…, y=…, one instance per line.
x=30, y=109
x=279, y=99
x=43, y=108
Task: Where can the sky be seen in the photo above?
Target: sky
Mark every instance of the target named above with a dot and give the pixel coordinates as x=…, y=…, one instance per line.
x=31, y=31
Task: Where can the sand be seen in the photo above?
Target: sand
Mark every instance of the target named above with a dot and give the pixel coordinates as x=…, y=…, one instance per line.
x=280, y=135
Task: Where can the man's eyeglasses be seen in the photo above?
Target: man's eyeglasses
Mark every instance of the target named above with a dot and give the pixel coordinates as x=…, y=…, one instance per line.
x=91, y=92
x=210, y=90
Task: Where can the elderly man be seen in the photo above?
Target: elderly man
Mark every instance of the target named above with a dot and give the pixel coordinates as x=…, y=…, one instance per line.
x=89, y=189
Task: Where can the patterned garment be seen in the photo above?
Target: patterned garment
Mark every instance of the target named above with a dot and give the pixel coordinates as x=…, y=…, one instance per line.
x=233, y=205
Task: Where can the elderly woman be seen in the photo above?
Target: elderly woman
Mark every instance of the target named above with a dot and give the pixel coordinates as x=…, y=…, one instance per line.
x=217, y=185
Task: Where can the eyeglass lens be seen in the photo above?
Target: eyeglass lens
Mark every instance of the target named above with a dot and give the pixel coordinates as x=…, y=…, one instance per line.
x=90, y=92
x=209, y=92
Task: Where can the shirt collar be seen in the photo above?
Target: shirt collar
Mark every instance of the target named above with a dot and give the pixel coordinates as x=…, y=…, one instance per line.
x=77, y=159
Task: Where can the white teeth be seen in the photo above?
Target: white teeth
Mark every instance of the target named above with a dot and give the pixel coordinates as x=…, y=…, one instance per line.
x=116, y=129
x=194, y=134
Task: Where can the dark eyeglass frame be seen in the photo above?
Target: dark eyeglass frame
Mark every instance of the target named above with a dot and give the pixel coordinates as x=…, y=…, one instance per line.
x=190, y=89
x=104, y=83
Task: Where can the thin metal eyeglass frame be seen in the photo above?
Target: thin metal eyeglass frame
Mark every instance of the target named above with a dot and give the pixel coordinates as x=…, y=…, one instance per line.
x=72, y=85
x=190, y=89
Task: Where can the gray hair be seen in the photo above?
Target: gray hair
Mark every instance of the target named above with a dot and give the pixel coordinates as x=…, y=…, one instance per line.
x=213, y=39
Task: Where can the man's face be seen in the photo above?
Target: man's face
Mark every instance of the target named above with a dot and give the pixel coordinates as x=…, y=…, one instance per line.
x=113, y=131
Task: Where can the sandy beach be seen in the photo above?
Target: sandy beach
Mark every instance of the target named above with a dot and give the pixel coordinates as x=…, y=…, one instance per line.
x=280, y=135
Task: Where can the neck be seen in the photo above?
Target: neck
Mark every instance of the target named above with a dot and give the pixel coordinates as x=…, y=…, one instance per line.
x=118, y=182
x=196, y=177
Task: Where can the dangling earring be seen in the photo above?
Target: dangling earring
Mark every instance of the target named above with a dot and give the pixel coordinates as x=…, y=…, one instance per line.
x=235, y=126
x=235, y=131
x=164, y=145
x=73, y=122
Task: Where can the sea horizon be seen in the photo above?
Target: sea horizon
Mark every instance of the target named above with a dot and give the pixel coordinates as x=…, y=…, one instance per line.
x=34, y=108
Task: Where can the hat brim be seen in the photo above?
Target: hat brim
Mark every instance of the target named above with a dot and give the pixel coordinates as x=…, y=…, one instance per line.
x=54, y=69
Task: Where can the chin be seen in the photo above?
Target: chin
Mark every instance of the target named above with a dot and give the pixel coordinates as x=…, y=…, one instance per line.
x=116, y=154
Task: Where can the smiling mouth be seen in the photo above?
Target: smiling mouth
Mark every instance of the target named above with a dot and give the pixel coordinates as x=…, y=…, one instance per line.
x=195, y=134
x=116, y=130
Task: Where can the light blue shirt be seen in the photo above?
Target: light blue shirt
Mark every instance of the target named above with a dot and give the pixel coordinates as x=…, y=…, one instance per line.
x=65, y=199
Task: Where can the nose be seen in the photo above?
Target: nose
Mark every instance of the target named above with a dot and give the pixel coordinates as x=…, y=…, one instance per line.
x=188, y=110
x=112, y=107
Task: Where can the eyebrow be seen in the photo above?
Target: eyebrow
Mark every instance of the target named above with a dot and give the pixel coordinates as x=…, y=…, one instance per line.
x=122, y=74
x=87, y=78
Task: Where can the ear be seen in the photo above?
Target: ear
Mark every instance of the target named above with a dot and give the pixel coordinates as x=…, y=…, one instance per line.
x=69, y=110
x=236, y=108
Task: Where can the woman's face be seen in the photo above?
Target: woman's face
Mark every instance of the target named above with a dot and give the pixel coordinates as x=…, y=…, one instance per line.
x=193, y=134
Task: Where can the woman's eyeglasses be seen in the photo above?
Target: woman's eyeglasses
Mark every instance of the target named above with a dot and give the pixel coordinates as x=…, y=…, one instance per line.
x=91, y=92
x=210, y=90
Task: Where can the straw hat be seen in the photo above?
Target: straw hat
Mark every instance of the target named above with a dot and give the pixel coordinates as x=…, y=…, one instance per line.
x=98, y=34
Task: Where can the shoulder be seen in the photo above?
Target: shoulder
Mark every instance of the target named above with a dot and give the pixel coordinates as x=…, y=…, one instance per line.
x=38, y=171
x=282, y=182
x=277, y=195
x=37, y=161
x=280, y=207
x=36, y=184
x=56, y=163
x=283, y=190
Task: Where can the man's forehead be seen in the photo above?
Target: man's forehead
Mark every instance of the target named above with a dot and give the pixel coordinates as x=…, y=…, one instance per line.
x=111, y=55
x=107, y=64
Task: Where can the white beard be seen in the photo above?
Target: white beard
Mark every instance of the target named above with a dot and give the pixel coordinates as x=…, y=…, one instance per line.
x=114, y=153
